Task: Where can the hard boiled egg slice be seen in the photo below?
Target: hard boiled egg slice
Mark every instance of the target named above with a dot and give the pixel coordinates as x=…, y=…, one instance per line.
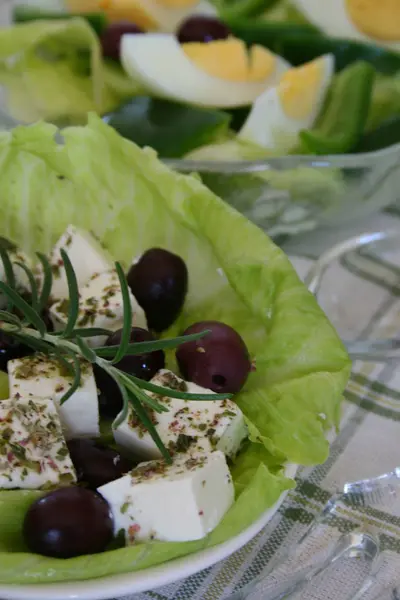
x=281, y=112
x=366, y=20
x=154, y=15
x=217, y=74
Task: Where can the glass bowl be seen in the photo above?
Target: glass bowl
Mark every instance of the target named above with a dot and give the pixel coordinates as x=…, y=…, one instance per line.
x=357, y=284
x=293, y=194
x=290, y=194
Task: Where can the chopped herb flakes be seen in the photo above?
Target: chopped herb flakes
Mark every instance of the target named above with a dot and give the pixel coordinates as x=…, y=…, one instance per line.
x=33, y=452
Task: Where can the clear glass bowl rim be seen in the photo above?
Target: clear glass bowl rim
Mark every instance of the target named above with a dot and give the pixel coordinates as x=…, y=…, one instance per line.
x=340, y=161
x=368, y=350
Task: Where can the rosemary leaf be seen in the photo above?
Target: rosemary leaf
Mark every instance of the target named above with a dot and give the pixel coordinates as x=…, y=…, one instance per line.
x=134, y=387
x=144, y=347
x=47, y=281
x=33, y=286
x=76, y=382
x=144, y=417
x=73, y=300
x=66, y=364
x=34, y=343
x=127, y=311
x=85, y=332
x=87, y=352
x=9, y=273
x=125, y=402
x=8, y=317
x=29, y=313
x=163, y=391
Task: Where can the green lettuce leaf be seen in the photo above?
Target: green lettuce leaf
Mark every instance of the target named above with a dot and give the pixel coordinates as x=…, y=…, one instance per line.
x=132, y=201
x=57, y=73
x=385, y=102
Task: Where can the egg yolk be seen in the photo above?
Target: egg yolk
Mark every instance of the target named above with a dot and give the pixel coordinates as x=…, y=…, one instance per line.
x=178, y=3
x=299, y=87
x=116, y=10
x=379, y=19
x=228, y=59
x=134, y=11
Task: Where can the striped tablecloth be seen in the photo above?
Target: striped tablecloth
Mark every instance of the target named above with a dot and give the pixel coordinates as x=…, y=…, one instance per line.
x=368, y=443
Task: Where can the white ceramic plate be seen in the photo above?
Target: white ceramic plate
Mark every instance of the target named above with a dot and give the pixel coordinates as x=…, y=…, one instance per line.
x=131, y=583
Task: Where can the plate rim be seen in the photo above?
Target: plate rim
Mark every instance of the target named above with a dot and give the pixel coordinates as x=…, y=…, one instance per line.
x=114, y=586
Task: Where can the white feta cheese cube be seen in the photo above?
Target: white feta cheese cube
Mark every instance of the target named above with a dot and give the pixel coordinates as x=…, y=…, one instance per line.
x=100, y=305
x=173, y=503
x=33, y=452
x=43, y=376
x=86, y=255
x=21, y=278
x=217, y=424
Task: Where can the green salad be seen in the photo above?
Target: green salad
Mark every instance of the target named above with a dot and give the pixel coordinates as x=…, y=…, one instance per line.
x=131, y=202
x=230, y=80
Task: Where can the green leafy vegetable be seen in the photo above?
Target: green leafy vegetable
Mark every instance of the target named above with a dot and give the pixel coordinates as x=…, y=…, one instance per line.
x=385, y=103
x=24, y=13
x=243, y=8
x=387, y=134
x=302, y=43
x=171, y=128
x=342, y=121
x=132, y=201
x=57, y=73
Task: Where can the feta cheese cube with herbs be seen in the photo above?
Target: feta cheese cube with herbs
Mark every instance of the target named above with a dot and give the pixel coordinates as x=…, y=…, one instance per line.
x=33, y=452
x=100, y=305
x=188, y=424
x=172, y=503
x=44, y=376
x=86, y=255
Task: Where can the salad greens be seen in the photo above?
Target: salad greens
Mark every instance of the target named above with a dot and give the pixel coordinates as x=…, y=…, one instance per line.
x=57, y=72
x=170, y=128
x=341, y=124
x=132, y=201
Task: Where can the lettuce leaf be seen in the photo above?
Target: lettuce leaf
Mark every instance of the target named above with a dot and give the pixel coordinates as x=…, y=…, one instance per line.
x=385, y=102
x=132, y=201
x=54, y=70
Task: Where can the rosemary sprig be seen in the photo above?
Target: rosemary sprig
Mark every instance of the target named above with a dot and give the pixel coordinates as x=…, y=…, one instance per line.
x=70, y=348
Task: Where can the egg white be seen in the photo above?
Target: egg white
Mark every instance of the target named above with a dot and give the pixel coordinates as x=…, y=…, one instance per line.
x=270, y=127
x=158, y=63
x=332, y=17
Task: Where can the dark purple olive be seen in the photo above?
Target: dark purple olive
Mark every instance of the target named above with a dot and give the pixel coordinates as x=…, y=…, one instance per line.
x=159, y=282
x=219, y=361
x=202, y=29
x=96, y=464
x=68, y=522
x=111, y=38
x=144, y=366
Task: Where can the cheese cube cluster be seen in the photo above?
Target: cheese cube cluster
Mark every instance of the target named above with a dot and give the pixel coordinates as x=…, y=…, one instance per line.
x=101, y=302
x=100, y=305
x=33, y=452
x=43, y=376
x=194, y=424
x=86, y=255
x=179, y=502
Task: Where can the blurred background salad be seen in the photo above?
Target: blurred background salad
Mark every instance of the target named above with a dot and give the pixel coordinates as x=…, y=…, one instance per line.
x=211, y=80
